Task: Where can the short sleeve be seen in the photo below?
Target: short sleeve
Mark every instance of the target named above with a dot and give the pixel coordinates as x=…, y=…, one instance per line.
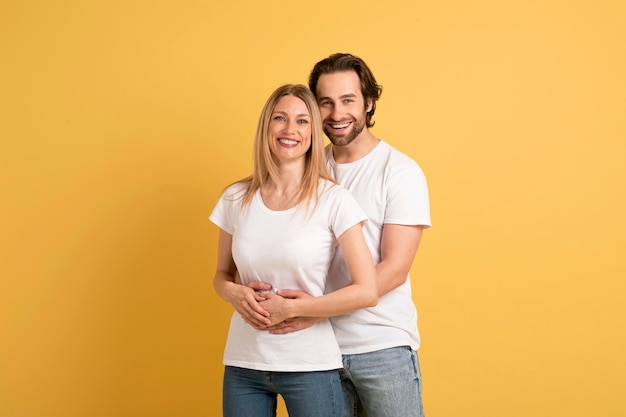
x=345, y=212
x=407, y=198
x=223, y=214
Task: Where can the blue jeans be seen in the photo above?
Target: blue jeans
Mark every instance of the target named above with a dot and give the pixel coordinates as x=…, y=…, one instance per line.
x=384, y=383
x=250, y=393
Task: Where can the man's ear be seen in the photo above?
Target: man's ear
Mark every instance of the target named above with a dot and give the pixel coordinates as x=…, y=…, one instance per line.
x=368, y=108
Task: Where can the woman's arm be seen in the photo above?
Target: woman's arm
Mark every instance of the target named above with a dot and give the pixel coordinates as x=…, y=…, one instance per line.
x=361, y=292
x=244, y=299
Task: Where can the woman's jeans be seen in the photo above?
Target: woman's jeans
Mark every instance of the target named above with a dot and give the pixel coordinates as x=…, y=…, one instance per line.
x=383, y=383
x=250, y=393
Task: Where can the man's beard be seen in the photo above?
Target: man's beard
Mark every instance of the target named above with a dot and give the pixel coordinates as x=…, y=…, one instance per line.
x=347, y=138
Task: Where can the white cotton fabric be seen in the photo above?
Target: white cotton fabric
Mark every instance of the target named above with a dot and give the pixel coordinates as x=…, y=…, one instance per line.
x=391, y=188
x=290, y=249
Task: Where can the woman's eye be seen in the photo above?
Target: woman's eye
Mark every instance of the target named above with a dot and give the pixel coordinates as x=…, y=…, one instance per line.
x=279, y=118
x=303, y=121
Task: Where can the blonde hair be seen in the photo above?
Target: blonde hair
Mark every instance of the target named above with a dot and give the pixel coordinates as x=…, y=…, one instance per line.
x=265, y=168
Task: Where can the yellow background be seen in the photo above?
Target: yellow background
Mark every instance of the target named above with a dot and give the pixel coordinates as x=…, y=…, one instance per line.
x=121, y=121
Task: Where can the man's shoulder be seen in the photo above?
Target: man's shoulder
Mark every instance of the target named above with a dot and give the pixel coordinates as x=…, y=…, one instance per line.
x=396, y=158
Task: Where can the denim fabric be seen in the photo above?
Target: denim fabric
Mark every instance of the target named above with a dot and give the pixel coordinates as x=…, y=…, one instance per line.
x=384, y=383
x=250, y=393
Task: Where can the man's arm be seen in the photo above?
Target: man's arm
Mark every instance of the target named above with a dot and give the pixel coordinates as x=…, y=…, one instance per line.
x=398, y=247
x=361, y=292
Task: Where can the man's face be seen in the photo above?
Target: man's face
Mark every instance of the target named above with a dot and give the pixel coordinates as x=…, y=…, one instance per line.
x=342, y=106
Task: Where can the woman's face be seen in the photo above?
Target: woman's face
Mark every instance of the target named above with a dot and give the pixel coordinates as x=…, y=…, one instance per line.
x=289, y=131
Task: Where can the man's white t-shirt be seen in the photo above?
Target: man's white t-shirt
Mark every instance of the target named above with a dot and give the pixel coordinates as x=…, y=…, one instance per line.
x=290, y=249
x=391, y=188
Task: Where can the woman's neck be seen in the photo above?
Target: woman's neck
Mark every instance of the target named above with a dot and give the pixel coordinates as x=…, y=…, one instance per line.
x=282, y=193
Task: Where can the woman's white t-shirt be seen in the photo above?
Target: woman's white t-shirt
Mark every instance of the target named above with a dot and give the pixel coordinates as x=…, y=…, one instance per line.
x=290, y=249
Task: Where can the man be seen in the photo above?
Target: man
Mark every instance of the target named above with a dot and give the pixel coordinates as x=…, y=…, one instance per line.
x=381, y=375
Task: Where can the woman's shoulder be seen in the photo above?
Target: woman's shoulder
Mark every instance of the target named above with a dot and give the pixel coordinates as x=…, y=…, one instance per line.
x=236, y=189
x=240, y=184
x=326, y=186
x=332, y=190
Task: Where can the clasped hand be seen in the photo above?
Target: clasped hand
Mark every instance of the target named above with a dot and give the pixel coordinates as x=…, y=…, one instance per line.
x=263, y=310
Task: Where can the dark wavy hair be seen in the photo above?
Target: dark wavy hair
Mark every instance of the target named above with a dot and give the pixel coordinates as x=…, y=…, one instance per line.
x=346, y=62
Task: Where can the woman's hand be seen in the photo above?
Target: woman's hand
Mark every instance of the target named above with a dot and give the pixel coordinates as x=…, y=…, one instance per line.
x=246, y=301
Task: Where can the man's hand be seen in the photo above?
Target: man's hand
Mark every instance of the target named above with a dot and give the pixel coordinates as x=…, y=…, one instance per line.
x=278, y=308
x=297, y=323
x=293, y=325
x=293, y=294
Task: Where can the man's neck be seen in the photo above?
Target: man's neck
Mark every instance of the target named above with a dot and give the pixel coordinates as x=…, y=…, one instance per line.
x=356, y=149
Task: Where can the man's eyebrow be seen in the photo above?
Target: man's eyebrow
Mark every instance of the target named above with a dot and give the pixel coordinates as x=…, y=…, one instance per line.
x=347, y=95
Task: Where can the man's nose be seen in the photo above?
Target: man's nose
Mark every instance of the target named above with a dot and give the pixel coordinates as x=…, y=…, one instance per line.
x=337, y=112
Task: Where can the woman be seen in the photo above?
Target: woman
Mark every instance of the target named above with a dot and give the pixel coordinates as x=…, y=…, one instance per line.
x=282, y=225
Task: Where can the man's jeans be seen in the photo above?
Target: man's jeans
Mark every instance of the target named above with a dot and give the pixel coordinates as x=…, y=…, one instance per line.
x=384, y=383
x=250, y=393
